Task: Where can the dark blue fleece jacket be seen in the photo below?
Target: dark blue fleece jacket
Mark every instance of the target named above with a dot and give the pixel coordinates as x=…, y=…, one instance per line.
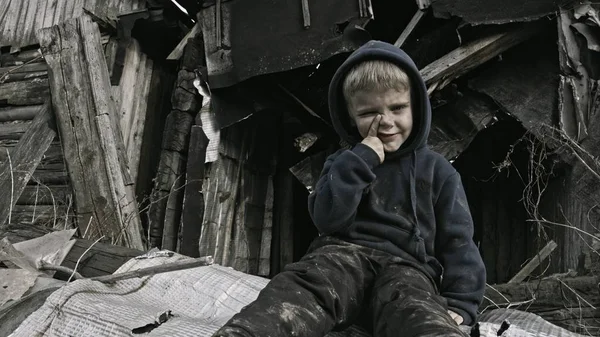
x=412, y=205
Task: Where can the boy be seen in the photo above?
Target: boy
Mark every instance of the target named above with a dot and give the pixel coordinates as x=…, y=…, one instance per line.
x=396, y=233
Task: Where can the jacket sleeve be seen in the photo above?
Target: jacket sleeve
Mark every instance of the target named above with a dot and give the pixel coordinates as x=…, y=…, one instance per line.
x=346, y=174
x=464, y=278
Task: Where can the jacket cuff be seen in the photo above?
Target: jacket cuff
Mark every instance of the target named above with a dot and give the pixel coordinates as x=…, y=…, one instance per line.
x=367, y=154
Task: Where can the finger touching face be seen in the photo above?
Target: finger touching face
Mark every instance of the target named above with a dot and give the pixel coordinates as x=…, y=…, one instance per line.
x=388, y=110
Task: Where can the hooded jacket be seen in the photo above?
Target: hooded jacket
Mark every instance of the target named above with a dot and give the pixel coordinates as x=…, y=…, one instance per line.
x=412, y=205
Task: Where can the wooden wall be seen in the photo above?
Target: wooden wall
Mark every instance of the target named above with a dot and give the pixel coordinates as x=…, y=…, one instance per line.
x=22, y=18
x=46, y=201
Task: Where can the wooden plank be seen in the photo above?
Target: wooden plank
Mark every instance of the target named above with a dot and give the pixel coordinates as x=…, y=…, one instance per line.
x=134, y=90
x=170, y=168
x=25, y=56
x=163, y=268
x=283, y=221
x=101, y=259
x=410, y=27
x=24, y=68
x=193, y=202
x=13, y=130
x=471, y=55
x=173, y=212
x=45, y=195
x=25, y=159
x=237, y=226
x=30, y=92
x=53, y=216
x=19, y=77
x=525, y=85
x=178, y=51
x=456, y=124
x=534, y=263
x=266, y=242
x=87, y=117
x=219, y=188
x=13, y=113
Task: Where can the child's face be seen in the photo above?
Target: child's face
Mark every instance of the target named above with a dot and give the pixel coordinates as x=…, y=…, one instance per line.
x=396, y=115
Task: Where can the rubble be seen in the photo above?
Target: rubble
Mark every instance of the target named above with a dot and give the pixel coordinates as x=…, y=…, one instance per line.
x=199, y=129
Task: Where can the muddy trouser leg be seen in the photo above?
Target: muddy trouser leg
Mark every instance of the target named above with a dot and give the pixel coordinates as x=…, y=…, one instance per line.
x=322, y=291
x=405, y=300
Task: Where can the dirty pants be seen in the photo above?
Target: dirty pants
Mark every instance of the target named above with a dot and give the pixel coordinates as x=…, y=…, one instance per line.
x=334, y=285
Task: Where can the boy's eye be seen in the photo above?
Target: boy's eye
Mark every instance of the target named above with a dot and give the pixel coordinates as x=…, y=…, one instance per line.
x=399, y=107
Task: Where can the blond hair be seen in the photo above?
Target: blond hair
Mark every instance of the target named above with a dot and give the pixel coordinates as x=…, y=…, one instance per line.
x=375, y=75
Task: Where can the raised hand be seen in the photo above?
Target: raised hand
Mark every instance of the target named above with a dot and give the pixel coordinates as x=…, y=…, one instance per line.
x=373, y=141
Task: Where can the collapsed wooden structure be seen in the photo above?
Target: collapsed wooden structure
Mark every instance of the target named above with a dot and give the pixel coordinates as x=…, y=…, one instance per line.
x=206, y=139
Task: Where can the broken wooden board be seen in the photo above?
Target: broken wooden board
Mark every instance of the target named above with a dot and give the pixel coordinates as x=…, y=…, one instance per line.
x=491, y=12
x=534, y=263
x=100, y=259
x=570, y=302
x=473, y=54
x=17, y=171
x=409, y=28
x=178, y=51
x=456, y=124
x=87, y=118
x=524, y=84
x=235, y=41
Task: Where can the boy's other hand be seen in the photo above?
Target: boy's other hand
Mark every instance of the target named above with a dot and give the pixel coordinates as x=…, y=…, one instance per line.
x=456, y=317
x=373, y=141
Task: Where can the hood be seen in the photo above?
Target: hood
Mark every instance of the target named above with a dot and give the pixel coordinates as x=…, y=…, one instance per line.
x=421, y=108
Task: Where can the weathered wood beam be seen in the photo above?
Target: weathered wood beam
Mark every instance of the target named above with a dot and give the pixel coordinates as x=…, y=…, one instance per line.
x=163, y=268
x=17, y=171
x=29, y=92
x=132, y=92
x=167, y=194
x=534, y=263
x=53, y=216
x=471, y=55
x=414, y=22
x=45, y=195
x=14, y=113
x=193, y=201
x=178, y=51
x=26, y=56
x=90, y=132
x=100, y=258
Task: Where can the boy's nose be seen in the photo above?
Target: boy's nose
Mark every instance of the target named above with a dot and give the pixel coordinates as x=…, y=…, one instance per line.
x=386, y=120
